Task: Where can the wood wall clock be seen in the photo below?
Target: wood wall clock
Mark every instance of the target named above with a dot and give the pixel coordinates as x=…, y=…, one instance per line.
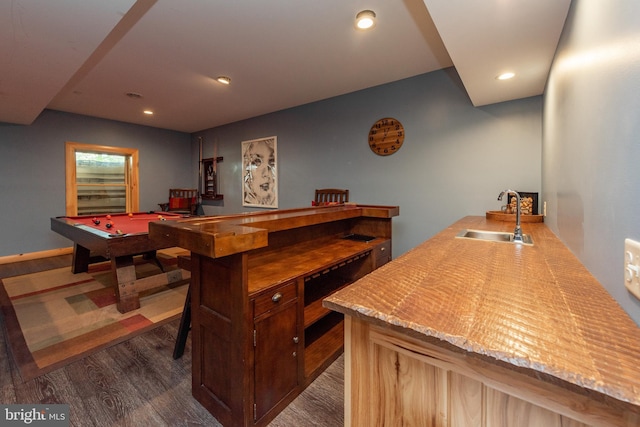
x=386, y=136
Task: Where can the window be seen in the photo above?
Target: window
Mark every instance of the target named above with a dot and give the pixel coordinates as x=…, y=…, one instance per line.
x=100, y=179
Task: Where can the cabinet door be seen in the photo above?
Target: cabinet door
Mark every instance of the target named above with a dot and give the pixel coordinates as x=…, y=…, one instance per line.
x=276, y=357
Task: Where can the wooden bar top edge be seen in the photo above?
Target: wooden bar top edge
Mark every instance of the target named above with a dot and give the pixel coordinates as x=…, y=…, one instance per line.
x=535, y=308
x=219, y=236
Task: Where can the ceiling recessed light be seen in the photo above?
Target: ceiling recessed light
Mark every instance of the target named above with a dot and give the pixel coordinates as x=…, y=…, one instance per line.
x=506, y=76
x=148, y=112
x=224, y=80
x=365, y=19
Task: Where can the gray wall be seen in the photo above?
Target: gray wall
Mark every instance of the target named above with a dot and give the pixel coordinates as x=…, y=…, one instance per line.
x=454, y=161
x=32, y=171
x=591, y=148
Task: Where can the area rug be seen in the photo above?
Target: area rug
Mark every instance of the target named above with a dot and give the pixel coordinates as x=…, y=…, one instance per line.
x=55, y=317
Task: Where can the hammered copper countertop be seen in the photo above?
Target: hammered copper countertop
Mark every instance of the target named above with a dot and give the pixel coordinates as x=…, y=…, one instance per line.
x=534, y=307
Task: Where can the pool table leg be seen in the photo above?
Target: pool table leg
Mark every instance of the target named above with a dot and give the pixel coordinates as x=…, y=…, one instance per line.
x=124, y=271
x=81, y=256
x=128, y=286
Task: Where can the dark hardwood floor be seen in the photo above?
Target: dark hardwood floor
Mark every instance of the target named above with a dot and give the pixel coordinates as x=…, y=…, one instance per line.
x=138, y=383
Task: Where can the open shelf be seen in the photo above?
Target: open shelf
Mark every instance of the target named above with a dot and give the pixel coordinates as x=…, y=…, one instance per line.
x=315, y=311
x=323, y=328
x=330, y=279
x=210, y=179
x=324, y=341
x=212, y=197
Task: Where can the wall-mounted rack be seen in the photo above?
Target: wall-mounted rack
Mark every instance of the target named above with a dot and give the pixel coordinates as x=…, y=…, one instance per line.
x=210, y=179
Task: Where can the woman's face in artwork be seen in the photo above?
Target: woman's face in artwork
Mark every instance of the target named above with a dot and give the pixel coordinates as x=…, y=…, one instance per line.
x=259, y=164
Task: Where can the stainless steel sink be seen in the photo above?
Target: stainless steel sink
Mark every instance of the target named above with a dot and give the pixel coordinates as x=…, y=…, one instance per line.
x=493, y=236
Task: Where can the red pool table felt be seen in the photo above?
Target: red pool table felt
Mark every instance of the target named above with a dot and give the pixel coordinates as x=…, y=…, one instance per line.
x=123, y=222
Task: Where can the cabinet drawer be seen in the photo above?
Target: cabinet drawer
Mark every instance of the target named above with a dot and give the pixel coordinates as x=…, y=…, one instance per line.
x=275, y=298
x=382, y=253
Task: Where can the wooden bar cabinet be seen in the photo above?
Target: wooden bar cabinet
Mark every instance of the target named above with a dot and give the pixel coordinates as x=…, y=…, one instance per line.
x=260, y=334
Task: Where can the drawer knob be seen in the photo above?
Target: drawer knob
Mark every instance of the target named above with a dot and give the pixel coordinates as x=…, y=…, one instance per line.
x=382, y=249
x=296, y=339
x=276, y=297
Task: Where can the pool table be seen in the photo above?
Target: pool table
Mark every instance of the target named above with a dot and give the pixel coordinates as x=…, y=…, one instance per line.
x=127, y=236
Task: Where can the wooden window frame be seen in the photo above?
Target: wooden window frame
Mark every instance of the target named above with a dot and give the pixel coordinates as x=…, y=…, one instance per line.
x=131, y=174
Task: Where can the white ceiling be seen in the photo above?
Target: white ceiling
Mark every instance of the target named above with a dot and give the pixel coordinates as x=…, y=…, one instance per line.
x=83, y=56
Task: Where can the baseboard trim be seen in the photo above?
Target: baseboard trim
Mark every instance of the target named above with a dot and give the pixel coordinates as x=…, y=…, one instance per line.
x=35, y=255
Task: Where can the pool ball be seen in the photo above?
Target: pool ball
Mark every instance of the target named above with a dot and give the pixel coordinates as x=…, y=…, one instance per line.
x=109, y=225
x=130, y=215
x=96, y=221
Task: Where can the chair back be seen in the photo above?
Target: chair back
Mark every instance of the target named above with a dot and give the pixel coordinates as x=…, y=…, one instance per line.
x=331, y=195
x=181, y=200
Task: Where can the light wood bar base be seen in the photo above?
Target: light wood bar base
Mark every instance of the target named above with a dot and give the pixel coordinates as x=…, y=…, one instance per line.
x=392, y=379
x=464, y=332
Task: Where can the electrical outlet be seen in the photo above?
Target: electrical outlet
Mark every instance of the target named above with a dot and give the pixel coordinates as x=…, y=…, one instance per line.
x=632, y=266
x=544, y=209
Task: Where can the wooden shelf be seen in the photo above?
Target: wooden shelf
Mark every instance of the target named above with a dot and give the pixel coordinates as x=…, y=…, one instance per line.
x=210, y=179
x=210, y=197
x=306, y=259
x=322, y=351
x=315, y=311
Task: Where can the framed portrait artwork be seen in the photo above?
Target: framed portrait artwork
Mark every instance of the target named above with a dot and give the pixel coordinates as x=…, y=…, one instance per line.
x=260, y=173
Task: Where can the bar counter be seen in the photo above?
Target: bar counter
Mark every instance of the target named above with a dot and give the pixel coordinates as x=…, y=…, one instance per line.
x=534, y=311
x=260, y=334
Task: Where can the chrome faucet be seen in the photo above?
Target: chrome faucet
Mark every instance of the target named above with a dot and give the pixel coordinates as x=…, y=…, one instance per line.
x=517, y=233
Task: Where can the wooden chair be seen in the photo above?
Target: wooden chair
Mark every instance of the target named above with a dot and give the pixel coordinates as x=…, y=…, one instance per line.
x=181, y=200
x=331, y=195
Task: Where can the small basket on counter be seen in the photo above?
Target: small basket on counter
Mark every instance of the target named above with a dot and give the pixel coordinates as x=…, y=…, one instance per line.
x=528, y=209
